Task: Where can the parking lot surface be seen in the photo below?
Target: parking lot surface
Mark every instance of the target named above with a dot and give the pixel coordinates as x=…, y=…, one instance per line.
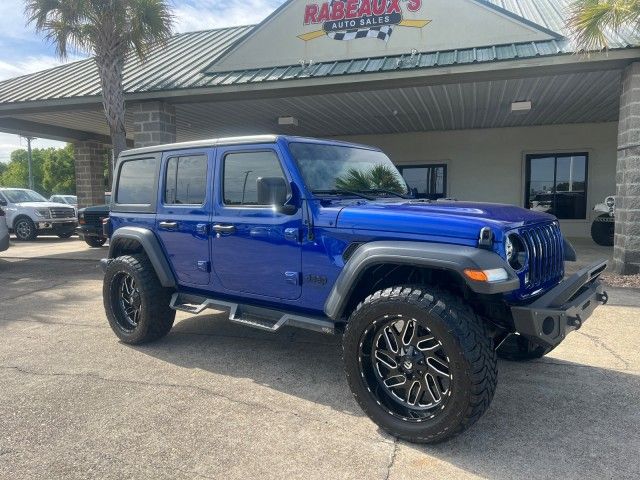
x=217, y=400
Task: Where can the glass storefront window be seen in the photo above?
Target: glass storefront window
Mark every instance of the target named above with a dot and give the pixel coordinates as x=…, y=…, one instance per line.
x=557, y=184
x=426, y=181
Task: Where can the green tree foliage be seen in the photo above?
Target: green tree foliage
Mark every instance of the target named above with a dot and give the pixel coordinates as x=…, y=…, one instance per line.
x=53, y=170
x=58, y=171
x=379, y=177
x=590, y=19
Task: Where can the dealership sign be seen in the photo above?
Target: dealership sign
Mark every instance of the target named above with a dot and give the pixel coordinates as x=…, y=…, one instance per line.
x=355, y=19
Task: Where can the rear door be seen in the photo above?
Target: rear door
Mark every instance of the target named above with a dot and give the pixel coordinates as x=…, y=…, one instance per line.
x=183, y=214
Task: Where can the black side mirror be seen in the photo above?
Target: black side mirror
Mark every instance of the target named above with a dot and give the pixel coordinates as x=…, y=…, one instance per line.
x=3, y=203
x=274, y=191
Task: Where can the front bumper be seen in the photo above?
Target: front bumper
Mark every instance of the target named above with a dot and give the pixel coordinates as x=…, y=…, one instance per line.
x=57, y=225
x=563, y=309
x=89, y=231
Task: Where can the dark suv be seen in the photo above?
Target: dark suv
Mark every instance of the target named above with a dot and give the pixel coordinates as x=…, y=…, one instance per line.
x=90, y=223
x=323, y=235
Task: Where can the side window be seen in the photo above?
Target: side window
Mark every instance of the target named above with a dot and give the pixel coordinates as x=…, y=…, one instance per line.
x=186, y=180
x=254, y=178
x=136, y=182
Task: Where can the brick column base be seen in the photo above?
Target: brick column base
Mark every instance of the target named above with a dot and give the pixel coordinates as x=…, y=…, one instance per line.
x=154, y=123
x=626, y=256
x=90, y=157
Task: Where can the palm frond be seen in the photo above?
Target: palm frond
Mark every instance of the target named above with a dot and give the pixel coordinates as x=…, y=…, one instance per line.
x=385, y=178
x=354, y=180
x=591, y=20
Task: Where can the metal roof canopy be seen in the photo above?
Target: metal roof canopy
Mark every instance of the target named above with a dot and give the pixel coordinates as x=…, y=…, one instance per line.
x=578, y=97
x=456, y=89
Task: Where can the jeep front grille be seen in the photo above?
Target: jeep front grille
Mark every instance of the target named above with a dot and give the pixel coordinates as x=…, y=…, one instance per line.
x=62, y=212
x=546, y=254
x=94, y=219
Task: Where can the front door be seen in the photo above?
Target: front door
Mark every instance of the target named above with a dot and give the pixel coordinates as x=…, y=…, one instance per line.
x=182, y=221
x=255, y=249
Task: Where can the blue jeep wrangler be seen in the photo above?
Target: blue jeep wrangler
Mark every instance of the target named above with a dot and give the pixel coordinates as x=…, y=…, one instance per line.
x=325, y=235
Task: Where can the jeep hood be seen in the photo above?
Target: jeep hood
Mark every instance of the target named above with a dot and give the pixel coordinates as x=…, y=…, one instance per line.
x=441, y=219
x=96, y=209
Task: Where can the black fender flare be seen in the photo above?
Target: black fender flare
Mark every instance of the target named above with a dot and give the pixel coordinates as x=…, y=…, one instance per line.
x=151, y=246
x=454, y=258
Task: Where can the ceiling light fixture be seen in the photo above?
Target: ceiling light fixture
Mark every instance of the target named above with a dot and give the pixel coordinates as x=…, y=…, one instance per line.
x=293, y=121
x=521, y=107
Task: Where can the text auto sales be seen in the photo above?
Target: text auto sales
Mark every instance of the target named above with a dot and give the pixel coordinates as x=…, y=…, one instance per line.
x=349, y=14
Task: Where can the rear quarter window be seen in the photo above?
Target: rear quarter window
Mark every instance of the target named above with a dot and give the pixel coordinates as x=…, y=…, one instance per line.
x=137, y=182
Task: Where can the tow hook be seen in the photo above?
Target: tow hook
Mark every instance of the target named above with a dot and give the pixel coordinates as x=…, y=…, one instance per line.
x=575, y=322
x=603, y=297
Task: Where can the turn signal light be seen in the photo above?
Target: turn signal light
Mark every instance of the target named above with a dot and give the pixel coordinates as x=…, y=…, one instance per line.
x=489, y=276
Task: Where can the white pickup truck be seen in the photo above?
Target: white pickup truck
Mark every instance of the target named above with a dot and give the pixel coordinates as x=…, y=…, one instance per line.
x=29, y=214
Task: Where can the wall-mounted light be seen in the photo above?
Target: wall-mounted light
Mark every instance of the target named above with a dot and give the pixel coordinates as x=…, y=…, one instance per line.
x=521, y=107
x=293, y=121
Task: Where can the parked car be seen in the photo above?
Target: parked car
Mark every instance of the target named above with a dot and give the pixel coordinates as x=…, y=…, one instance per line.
x=90, y=223
x=603, y=227
x=29, y=214
x=68, y=199
x=322, y=235
x=4, y=231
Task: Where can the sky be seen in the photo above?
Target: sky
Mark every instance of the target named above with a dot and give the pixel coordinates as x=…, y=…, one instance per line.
x=23, y=51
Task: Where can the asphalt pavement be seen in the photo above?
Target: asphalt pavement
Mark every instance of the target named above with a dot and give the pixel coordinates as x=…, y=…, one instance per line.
x=218, y=400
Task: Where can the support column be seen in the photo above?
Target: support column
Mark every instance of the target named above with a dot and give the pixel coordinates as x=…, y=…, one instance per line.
x=154, y=123
x=627, y=238
x=90, y=157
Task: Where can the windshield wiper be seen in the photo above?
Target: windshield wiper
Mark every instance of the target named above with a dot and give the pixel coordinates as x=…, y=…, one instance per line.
x=337, y=191
x=388, y=192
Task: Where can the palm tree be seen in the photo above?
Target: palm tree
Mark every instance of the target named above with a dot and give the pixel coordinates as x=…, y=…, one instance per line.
x=110, y=30
x=589, y=20
x=378, y=177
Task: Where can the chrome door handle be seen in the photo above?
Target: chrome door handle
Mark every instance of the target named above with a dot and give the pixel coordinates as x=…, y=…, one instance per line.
x=226, y=229
x=168, y=225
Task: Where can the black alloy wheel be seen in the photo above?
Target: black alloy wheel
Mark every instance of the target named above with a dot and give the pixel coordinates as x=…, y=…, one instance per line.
x=136, y=304
x=406, y=364
x=129, y=300
x=420, y=362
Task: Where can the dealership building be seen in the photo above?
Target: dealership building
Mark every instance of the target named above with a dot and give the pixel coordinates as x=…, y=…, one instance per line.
x=481, y=100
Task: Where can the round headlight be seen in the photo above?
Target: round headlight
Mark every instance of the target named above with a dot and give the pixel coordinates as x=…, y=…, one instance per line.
x=509, y=248
x=516, y=252
x=610, y=202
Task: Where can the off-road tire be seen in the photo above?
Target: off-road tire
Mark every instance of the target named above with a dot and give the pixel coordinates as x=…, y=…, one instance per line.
x=95, y=242
x=24, y=229
x=155, y=316
x=517, y=348
x=603, y=232
x=468, y=346
x=65, y=235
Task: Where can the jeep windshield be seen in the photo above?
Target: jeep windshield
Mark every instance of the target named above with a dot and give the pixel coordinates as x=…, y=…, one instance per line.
x=348, y=171
x=21, y=196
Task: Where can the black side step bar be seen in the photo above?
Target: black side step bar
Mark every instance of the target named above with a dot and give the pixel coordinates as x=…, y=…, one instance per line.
x=257, y=317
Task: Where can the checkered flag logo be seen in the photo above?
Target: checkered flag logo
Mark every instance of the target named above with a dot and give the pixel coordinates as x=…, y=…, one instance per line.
x=381, y=33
